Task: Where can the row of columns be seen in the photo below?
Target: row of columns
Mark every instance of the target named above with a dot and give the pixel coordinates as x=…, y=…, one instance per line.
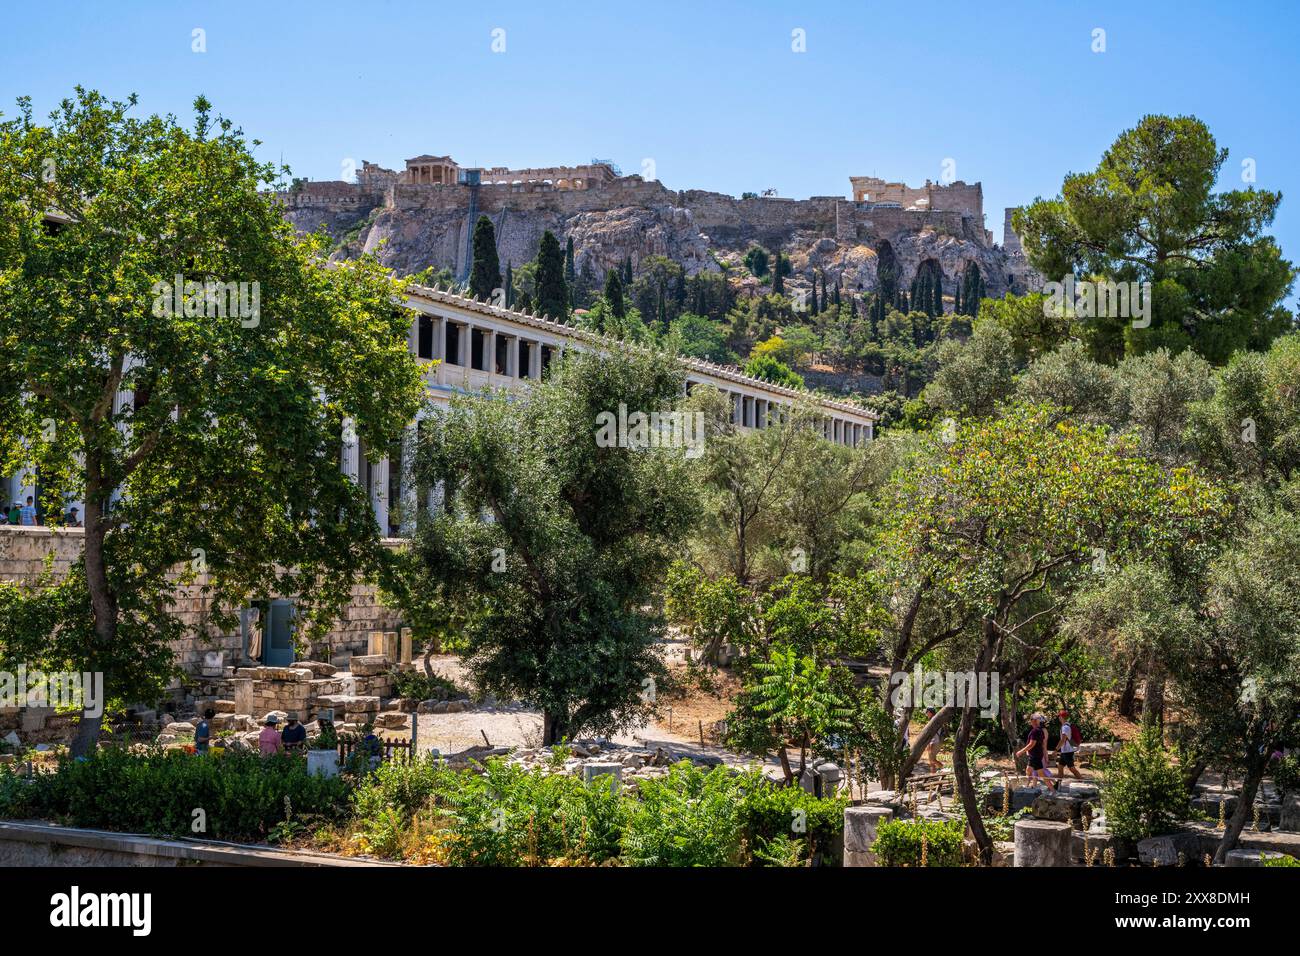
x=749, y=411
x=527, y=365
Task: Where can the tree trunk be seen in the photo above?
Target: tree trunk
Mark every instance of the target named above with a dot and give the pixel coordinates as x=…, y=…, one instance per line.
x=552, y=729
x=1153, y=702
x=1254, y=775
x=1127, y=704
x=928, y=732
x=1010, y=719
x=960, y=766
x=103, y=603
x=784, y=756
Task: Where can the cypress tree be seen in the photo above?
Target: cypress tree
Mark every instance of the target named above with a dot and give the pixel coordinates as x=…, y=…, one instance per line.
x=485, y=273
x=569, y=273
x=815, y=308
x=552, y=290
x=510, y=286
x=525, y=302
x=938, y=295
x=614, y=294
x=627, y=272
x=778, y=280
x=956, y=299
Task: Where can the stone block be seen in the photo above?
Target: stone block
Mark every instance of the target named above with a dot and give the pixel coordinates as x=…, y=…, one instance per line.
x=1098, y=842
x=860, y=826
x=591, y=771
x=1237, y=858
x=1042, y=843
x=1170, y=848
x=369, y=665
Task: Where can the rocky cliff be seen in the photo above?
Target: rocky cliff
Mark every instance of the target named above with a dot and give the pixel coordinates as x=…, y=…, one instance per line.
x=412, y=227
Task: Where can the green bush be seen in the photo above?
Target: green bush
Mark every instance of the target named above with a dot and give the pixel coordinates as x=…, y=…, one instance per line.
x=1144, y=794
x=691, y=817
x=770, y=813
x=419, y=686
x=243, y=796
x=899, y=842
x=1283, y=861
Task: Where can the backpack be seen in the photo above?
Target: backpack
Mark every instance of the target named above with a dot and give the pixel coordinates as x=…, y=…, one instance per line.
x=1076, y=738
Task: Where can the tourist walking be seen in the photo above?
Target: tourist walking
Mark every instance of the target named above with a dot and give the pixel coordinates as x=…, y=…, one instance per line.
x=1035, y=749
x=1066, y=746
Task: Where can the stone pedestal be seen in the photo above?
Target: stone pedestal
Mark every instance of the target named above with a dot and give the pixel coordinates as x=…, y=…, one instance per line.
x=1042, y=843
x=590, y=771
x=406, y=644
x=243, y=696
x=860, y=826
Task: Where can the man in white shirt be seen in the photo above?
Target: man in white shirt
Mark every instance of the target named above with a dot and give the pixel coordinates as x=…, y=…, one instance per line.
x=1065, y=748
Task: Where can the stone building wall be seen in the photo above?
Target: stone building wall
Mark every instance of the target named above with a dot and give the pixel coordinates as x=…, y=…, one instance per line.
x=23, y=559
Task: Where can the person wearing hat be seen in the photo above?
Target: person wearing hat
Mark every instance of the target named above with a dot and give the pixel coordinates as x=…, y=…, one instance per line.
x=295, y=734
x=16, y=513
x=73, y=518
x=268, y=741
x=1065, y=748
x=1035, y=749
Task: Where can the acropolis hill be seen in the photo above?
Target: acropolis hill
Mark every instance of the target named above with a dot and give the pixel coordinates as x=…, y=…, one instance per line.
x=424, y=215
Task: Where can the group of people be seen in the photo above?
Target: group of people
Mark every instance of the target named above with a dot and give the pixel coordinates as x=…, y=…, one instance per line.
x=1035, y=748
x=26, y=515
x=270, y=741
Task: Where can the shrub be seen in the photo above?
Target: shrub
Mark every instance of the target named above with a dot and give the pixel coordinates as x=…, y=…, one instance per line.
x=770, y=814
x=1144, y=794
x=243, y=796
x=419, y=686
x=899, y=842
x=691, y=817
x=1280, y=861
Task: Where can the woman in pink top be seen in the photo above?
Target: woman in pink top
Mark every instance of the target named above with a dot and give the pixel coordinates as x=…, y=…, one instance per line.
x=268, y=741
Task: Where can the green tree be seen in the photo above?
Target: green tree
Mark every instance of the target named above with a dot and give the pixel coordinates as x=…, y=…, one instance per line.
x=552, y=291
x=579, y=536
x=973, y=376
x=766, y=367
x=1149, y=213
x=485, y=273
x=614, y=294
x=225, y=457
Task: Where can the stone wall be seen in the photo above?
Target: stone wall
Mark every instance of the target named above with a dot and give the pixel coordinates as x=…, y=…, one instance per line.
x=24, y=553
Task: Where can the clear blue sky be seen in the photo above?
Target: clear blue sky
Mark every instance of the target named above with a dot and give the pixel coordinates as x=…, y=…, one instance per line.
x=710, y=91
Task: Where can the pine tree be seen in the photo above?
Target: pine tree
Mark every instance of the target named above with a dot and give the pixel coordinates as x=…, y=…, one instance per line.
x=485, y=273
x=552, y=290
x=614, y=294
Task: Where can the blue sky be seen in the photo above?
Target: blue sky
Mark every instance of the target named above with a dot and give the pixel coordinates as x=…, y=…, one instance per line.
x=710, y=91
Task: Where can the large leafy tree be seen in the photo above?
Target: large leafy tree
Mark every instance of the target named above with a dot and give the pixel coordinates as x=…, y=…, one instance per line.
x=994, y=529
x=555, y=542
x=198, y=439
x=1149, y=213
